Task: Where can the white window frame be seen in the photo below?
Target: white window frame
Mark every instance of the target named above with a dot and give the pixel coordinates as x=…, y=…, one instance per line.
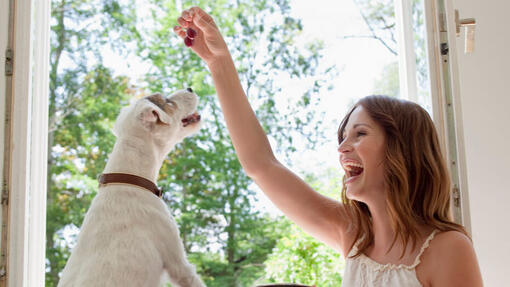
x=4, y=31
x=406, y=53
x=444, y=90
x=29, y=139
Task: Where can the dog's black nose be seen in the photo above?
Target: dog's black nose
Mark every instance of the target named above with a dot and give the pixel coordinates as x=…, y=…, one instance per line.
x=189, y=90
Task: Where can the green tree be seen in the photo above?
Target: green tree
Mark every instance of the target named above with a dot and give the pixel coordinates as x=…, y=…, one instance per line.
x=379, y=16
x=81, y=144
x=388, y=81
x=209, y=194
x=207, y=186
x=85, y=98
x=298, y=257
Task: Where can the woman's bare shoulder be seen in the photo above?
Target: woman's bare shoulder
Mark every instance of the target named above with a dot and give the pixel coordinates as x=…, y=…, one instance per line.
x=447, y=239
x=451, y=261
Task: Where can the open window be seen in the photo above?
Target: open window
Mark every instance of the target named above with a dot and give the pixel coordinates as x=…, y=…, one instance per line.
x=25, y=136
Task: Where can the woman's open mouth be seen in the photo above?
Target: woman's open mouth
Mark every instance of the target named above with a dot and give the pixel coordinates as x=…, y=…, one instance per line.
x=352, y=170
x=191, y=119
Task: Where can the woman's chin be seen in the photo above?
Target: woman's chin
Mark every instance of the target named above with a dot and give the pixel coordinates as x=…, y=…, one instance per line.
x=352, y=193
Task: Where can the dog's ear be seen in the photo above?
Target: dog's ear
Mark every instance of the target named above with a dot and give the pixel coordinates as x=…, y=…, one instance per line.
x=153, y=115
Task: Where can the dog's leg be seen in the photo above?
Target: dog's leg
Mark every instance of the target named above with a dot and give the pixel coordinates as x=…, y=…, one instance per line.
x=183, y=274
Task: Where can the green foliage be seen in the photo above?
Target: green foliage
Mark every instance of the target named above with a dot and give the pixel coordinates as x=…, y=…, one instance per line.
x=81, y=142
x=388, y=81
x=298, y=257
x=85, y=98
x=209, y=193
x=207, y=187
x=256, y=245
x=379, y=15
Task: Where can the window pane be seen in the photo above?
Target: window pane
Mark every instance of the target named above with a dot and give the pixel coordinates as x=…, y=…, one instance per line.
x=302, y=63
x=420, y=47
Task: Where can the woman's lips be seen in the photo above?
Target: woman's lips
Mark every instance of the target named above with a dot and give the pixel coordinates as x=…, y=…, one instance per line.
x=352, y=178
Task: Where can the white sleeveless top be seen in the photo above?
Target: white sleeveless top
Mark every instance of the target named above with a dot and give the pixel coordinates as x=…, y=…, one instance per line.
x=362, y=271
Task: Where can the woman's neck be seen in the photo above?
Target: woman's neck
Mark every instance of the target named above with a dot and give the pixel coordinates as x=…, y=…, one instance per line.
x=381, y=226
x=384, y=234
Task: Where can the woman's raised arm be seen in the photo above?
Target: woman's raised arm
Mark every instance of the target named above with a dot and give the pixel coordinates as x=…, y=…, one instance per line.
x=318, y=215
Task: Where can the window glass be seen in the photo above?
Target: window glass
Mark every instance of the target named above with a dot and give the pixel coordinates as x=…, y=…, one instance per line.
x=303, y=64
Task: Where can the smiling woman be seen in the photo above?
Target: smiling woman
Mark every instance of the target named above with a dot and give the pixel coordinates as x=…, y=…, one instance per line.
x=405, y=191
x=362, y=154
x=404, y=155
x=394, y=206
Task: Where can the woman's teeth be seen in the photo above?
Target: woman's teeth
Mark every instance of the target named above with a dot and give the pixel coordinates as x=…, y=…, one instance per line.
x=353, y=169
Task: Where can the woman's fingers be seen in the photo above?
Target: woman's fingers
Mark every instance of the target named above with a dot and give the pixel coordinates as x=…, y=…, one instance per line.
x=200, y=33
x=183, y=22
x=186, y=15
x=180, y=32
x=201, y=19
x=186, y=22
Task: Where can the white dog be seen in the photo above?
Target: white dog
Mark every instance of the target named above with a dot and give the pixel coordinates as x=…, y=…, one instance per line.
x=128, y=236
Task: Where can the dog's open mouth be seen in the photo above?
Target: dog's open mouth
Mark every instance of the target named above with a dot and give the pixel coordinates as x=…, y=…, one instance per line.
x=191, y=119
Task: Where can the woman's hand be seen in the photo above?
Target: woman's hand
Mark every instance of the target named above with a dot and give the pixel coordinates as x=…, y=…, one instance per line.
x=208, y=43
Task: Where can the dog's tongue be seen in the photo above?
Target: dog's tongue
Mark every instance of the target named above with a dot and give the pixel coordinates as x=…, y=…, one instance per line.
x=195, y=117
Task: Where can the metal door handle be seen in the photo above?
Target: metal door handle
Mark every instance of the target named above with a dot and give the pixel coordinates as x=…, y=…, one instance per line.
x=469, y=24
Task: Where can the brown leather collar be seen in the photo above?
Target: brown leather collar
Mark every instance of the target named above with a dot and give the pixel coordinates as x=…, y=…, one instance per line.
x=106, y=178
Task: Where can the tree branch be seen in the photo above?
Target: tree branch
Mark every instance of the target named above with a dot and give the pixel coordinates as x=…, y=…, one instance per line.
x=374, y=34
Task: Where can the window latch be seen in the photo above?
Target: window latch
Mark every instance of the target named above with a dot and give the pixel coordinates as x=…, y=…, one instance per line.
x=9, y=59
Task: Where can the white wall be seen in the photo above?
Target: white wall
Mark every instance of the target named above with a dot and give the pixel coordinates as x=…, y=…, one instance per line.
x=485, y=99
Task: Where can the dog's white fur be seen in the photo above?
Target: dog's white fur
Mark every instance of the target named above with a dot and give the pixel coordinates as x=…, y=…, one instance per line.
x=128, y=236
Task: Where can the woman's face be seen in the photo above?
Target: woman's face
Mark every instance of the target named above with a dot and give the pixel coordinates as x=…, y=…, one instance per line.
x=362, y=157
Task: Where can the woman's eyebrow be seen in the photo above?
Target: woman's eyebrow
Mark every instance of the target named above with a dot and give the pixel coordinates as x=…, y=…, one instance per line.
x=361, y=124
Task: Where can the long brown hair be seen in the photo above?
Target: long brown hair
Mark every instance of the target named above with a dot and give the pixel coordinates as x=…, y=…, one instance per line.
x=416, y=176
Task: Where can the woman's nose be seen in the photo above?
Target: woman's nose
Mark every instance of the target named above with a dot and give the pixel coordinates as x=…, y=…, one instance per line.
x=344, y=147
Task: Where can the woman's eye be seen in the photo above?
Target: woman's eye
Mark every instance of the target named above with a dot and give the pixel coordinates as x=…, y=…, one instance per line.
x=361, y=133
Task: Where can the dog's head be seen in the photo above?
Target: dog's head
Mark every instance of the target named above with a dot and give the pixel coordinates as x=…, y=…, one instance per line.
x=164, y=121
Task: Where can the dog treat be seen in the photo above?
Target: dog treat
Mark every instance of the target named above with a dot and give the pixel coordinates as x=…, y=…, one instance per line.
x=190, y=36
x=190, y=33
x=188, y=41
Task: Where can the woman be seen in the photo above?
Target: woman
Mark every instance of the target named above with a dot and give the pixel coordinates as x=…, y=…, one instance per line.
x=393, y=223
